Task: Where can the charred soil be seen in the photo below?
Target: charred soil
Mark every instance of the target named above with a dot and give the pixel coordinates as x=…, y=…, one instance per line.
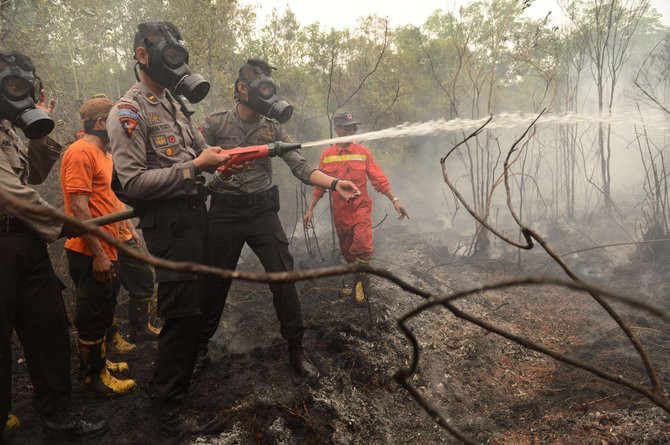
x=492, y=389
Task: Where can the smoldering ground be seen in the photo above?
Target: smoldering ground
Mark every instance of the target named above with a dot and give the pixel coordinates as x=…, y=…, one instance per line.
x=490, y=388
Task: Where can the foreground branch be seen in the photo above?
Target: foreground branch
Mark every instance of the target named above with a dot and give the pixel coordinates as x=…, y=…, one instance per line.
x=655, y=394
x=7, y=201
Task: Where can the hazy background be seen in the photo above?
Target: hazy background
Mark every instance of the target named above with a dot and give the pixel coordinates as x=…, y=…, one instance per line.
x=413, y=63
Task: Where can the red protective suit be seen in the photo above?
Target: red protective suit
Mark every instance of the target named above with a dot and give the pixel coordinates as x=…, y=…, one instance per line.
x=353, y=221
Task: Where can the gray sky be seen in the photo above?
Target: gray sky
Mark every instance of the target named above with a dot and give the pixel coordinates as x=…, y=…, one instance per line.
x=343, y=13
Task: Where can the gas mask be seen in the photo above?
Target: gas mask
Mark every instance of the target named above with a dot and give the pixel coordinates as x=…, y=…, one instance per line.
x=168, y=65
x=19, y=90
x=263, y=98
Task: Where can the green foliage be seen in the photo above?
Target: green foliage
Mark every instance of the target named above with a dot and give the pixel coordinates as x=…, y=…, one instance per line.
x=485, y=58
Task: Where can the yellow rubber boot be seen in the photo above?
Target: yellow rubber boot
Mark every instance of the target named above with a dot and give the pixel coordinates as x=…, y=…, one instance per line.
x=94, y=374
x=114, y=338
x=121, y=345
x=118, y=386
x=141, y=329
x=345, y=291
x=360, y=284
x=359, y=292
x=154, y=329
x=12, y=422
x=116, y=366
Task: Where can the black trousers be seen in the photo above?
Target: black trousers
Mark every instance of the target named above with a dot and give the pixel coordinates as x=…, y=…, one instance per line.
x=176, y=229
x=95, y=301
x=32, y=304
x=258, y=226
x=136, y=276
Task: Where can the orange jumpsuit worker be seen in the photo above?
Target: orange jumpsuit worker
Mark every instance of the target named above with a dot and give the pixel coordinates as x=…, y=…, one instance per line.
x=86, y=178
x=353, y=221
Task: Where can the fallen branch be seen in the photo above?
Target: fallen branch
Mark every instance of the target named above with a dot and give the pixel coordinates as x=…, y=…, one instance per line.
x=655, y=394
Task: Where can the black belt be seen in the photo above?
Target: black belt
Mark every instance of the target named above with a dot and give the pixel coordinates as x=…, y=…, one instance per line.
x=9, y=224
x=245, y=200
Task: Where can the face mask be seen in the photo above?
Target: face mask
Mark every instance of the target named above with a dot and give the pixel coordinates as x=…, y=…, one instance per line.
x=102, y=134
x=168, y=65
x=19, y=91
x=263, y=98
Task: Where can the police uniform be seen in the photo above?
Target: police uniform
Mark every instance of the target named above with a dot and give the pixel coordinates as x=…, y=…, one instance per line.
x=30, y=294
x=244, y=209
x=153, y=145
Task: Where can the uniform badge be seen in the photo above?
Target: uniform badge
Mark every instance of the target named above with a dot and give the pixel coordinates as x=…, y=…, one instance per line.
x=128, y=112
x=159, y=141
x=155, y=118
x=128, y=124
x=124, y=106
x=169, y=151
x=152, y=98
x=172, y=139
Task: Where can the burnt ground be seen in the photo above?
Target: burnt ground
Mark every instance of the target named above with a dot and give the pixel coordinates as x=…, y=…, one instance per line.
x=490, y=388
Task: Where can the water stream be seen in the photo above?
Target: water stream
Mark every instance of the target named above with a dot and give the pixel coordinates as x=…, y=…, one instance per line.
x=654, y=121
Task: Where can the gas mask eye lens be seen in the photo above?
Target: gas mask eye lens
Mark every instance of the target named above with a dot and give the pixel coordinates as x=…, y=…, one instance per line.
x=16, y=87
x=174, y=55
x=266, y=90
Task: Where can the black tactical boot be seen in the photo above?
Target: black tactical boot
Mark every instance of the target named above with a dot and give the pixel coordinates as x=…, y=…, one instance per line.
x=299, y=360
x=63, y=427
x=202, y=360
x=138, y=316
x=173, y=419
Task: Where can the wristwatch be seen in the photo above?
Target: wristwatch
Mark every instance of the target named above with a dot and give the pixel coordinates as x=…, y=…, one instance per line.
x=333, y=185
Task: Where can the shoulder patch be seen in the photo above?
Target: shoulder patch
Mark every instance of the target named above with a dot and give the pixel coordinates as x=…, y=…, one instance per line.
x=129, y=124
x=129, y=111
x=127, y=106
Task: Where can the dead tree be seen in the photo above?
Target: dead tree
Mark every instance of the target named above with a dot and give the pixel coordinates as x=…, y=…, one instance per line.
x=654, y=393
x=653, y=82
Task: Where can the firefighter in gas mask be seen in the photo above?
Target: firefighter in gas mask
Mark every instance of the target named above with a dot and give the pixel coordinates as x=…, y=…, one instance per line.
x=20, y=92
x=158, y=157
x=245, y=203
x=167, y=62
x=30, y=296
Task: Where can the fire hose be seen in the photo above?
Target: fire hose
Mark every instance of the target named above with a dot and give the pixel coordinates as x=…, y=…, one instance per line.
x=239, y=156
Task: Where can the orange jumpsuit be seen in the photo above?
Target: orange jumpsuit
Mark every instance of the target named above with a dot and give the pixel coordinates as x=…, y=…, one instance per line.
x=353, y=221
